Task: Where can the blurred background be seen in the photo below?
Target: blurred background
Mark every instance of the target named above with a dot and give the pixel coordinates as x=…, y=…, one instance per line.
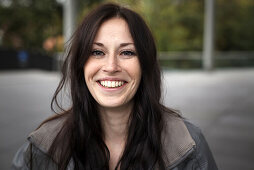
x=205, y=49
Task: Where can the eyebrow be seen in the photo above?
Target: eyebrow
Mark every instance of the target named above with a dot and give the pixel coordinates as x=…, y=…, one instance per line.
x=121, y=45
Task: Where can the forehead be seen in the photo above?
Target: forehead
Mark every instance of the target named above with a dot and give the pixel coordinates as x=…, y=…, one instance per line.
x=114, y=29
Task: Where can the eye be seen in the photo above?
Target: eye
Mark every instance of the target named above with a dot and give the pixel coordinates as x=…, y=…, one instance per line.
x=97, y=53
x=128, y=53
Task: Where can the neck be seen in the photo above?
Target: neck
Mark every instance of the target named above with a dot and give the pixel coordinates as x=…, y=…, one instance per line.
x=115, y=126
x=115, y=123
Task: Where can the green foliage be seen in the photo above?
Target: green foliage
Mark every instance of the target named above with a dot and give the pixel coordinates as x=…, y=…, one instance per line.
x=176, y=24
x=28, y=25
x=234, y=25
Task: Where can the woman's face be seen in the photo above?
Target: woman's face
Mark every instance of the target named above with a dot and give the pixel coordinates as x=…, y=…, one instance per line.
x=112, y=72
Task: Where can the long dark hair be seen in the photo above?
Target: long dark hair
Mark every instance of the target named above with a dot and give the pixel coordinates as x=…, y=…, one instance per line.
x=81, y=138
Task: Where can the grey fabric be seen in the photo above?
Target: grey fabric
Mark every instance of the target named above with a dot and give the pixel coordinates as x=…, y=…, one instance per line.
x=19, y=162
x=200, y=158
x=184, y=146
x=43, y=137
x=176, y=140
x=29, y=157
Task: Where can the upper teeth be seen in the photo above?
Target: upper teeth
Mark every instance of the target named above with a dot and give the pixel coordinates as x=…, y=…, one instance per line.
x=111, y=83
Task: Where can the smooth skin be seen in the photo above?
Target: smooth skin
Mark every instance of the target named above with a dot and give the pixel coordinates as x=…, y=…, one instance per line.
x=113, y=59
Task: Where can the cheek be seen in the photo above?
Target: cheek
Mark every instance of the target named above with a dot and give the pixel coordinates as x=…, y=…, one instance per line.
x=90, y=69
x=135, y=71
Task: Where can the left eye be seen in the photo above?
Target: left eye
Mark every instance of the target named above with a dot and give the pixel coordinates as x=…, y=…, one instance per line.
x=128, y=53
x=97, y=53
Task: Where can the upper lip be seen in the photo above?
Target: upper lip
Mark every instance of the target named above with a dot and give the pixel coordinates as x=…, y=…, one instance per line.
x=111, y=79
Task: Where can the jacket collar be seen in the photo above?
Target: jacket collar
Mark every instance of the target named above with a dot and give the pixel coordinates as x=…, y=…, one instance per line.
x=176, y=139
x=177, y=142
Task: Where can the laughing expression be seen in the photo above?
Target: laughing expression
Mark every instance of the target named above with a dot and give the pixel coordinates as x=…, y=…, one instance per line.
x=112, y=72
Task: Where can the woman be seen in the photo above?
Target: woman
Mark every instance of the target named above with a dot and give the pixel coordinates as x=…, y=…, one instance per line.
x=116, y=120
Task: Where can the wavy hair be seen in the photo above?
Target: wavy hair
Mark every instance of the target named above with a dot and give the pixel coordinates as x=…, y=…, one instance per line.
x=81, y=138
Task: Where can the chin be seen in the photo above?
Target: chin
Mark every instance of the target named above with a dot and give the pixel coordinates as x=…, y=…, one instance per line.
x=111, y=105
x=114, y=104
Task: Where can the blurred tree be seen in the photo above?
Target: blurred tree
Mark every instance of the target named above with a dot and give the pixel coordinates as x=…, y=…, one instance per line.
x=177, y=24
x=27, y=23
x=34, y=23
x=234, y=25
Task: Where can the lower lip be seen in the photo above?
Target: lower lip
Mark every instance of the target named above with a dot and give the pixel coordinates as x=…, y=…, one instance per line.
x=112, y=88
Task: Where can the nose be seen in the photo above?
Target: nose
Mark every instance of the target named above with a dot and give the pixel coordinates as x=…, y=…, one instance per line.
x=111, y=64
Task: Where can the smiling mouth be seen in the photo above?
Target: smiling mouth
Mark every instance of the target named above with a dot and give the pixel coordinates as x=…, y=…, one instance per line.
x=111, y=84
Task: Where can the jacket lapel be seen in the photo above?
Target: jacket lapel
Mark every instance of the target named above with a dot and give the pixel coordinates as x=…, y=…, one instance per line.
x=176, y=140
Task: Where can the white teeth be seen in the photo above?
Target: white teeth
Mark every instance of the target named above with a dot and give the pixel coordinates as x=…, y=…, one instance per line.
x=111, y=84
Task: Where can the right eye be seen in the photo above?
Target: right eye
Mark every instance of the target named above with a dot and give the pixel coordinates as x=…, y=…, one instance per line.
x=97, y=53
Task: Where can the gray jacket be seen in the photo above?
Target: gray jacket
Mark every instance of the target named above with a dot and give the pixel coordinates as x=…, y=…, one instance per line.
x=184, y=145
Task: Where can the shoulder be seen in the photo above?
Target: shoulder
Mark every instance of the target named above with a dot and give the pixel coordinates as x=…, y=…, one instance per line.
x=185, y=145
x=30, y=157
x=202, y=155
x=177, y=142
x=44, y=136
x=33, y=154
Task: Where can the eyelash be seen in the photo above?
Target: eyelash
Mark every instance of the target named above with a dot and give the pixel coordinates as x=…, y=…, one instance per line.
x=126, y=53
x=95, y=53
